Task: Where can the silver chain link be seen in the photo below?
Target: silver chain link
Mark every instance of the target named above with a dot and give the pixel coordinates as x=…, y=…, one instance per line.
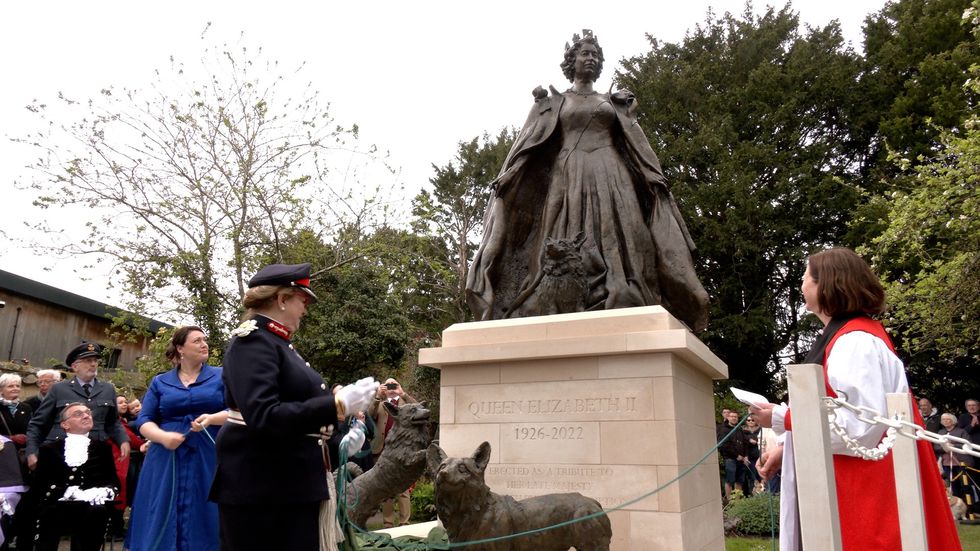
x=895, y=427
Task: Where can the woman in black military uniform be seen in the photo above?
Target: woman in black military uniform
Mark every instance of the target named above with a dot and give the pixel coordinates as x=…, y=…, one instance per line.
x=271, y=477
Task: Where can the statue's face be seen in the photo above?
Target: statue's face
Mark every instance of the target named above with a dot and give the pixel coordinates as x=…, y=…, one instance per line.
x=586, y=61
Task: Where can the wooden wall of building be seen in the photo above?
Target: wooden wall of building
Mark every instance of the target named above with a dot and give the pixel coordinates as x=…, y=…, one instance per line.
x=44, y=333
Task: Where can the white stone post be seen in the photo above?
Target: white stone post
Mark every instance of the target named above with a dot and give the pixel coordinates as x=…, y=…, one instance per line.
x=816, y=487
x=908, y=481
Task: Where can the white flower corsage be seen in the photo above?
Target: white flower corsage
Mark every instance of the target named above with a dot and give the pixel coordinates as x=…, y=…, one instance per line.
x=244, y=329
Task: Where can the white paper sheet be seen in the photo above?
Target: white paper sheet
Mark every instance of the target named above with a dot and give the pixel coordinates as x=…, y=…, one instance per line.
x=749, y=398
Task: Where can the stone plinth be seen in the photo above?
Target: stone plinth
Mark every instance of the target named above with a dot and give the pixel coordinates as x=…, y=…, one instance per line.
x=610, y=404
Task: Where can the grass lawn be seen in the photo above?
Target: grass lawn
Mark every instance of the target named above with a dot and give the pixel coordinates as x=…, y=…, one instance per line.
x=969, y=537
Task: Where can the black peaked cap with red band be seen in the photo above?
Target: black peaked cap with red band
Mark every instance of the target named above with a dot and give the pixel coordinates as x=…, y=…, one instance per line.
x=294, y=275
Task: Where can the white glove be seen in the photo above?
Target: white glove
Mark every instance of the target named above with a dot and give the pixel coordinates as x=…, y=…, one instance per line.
x=358, y=396
x=94, y=496
x=354, y=438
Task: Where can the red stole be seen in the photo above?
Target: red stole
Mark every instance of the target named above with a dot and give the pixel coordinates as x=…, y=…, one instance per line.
x=866, y=496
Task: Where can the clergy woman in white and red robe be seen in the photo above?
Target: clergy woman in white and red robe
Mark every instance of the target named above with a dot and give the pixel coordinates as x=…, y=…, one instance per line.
x=861, y=367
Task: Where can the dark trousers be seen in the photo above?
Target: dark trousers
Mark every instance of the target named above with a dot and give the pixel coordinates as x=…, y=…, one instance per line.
x=133, y=474
x=83, y=522
x=751, y=476
x=6, y=524
x=734, y=472
x=25, y=520
x=292, y=526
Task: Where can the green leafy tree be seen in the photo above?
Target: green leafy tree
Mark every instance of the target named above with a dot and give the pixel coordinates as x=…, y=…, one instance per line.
x=355, y=330
x=420, y=287
x=425, y=287
x=750, y=117
x=453, y=212
x=185, y=183
x=153, y=363
x=917, y=58
x=911, y=91
x=929, y=255
x=357, y=327
x=435, y=257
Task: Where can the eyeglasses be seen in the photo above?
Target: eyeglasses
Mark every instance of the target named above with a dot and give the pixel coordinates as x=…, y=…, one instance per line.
x=81, y=413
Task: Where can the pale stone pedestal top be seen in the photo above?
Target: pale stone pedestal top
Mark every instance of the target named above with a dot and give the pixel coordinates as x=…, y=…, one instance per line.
x=644, y=329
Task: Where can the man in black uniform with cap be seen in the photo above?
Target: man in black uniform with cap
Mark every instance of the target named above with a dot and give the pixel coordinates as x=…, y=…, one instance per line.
x=100, y=397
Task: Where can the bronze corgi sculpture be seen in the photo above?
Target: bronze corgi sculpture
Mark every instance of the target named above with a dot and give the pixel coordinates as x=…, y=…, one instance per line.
x=563, y=286
x=470, y=511
x=400, y=464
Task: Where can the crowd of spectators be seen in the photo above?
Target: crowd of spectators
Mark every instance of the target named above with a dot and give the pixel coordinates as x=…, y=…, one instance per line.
x=26, y=429
x=741, y=451
x=959, y=470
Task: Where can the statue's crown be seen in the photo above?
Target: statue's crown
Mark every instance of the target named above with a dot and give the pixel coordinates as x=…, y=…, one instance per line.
x=586, y=33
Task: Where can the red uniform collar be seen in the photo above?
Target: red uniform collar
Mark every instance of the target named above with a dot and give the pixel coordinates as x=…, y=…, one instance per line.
x=278, y=329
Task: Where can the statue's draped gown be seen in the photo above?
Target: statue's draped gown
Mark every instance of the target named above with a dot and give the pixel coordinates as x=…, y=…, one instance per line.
x=592, y=191
x=582, y=168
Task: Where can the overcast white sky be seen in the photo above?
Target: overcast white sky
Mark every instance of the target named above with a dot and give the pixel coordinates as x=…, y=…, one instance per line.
x=417, y=77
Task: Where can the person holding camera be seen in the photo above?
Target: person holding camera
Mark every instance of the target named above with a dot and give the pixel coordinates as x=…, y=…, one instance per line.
x=393, y=393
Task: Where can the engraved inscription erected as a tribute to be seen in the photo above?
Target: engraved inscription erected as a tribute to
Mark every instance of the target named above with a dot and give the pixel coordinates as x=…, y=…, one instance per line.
x=610, y=485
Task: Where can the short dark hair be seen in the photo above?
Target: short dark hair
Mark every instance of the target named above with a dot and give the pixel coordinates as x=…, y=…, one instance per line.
x=64, y=412
x=568, y=65
x=845, y=283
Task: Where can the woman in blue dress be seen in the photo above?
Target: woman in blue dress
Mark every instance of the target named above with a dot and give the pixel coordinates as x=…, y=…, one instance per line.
x=171, y=510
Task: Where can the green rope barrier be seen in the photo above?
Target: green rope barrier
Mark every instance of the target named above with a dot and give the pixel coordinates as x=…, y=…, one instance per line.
x=346, y=521
x=173, y=498
x=772, y=522
x=173, y=489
